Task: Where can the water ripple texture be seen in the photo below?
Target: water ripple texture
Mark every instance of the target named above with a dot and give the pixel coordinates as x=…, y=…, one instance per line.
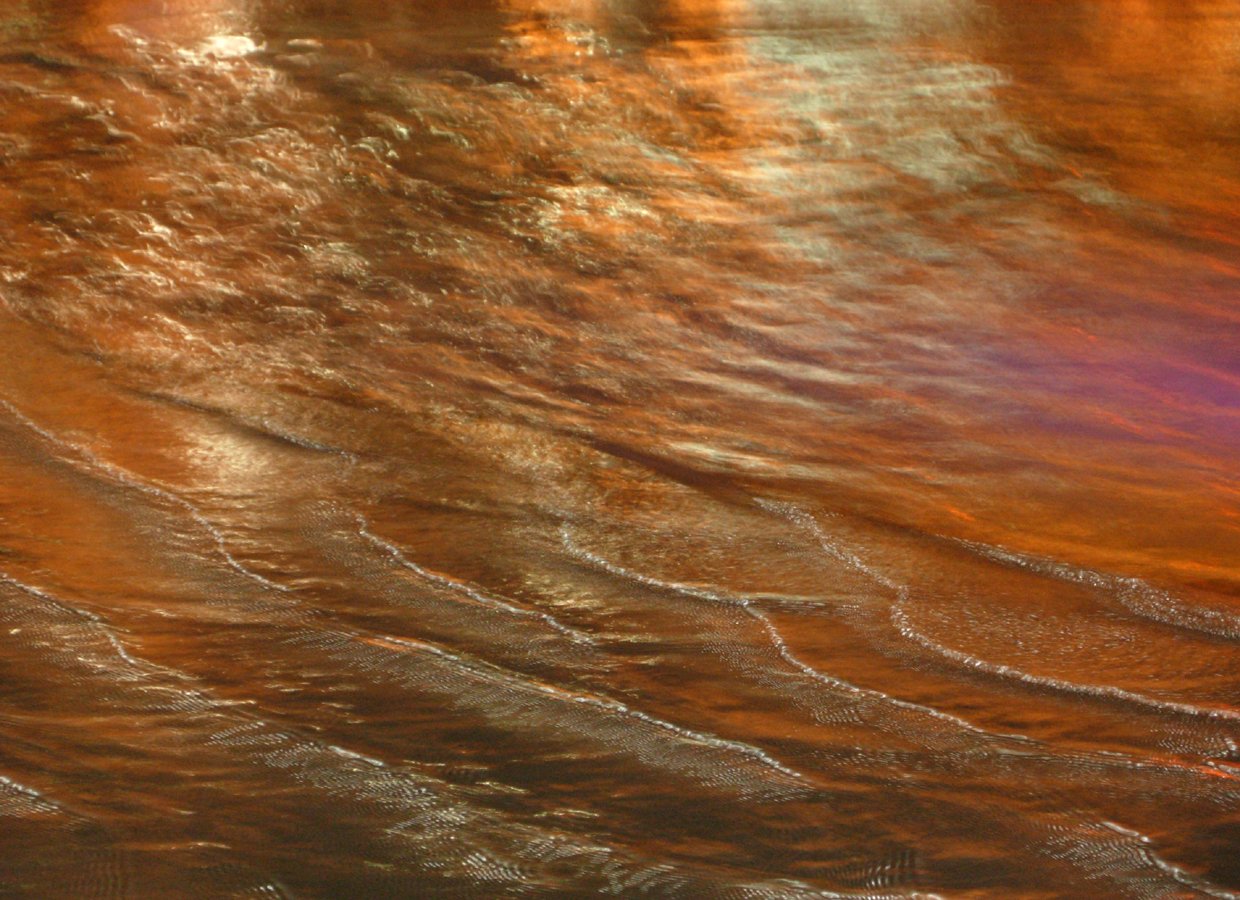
x=667, y=448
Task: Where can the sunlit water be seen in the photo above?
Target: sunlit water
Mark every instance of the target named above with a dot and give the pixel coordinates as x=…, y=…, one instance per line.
x=699, y=448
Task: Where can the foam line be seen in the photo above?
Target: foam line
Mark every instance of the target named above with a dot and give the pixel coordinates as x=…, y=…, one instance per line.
x=1135, y=594
x=777, y=639
x=468, y=590
x=904, y=626
x=123, y=476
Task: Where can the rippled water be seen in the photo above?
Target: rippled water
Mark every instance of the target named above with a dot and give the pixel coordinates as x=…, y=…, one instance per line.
x=700, y=448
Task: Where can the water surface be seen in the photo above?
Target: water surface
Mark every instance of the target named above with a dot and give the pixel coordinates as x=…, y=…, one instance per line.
x=701, y=448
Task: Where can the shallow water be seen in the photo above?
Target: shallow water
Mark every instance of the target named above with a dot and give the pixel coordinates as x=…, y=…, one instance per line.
x=753, y=448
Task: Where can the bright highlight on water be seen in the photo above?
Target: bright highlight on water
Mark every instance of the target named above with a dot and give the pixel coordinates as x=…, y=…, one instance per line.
x=672, y=448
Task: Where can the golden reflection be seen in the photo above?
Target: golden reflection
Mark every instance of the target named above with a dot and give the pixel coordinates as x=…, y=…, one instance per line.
x=183, y=22
x=753, y=447
x=1147, y=109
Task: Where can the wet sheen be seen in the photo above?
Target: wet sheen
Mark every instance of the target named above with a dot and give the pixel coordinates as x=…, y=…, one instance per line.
x=696, y=448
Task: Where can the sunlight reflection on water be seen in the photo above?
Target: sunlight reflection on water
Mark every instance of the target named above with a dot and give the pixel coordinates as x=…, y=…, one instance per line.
x=745, y=447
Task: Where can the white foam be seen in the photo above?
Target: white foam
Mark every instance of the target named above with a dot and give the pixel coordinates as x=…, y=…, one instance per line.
x=461, y=587
x=904, y=625
x=776, y=637
x=494, y=673
x=127, y=478
x=1135, y=594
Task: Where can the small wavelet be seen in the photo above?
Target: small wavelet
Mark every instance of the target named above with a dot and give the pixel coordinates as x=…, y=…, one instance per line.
x=522, y=701
x=1215, y=743
x=904, y=624
x=1134, y=594
x=404, y=407
x=18, y=800
x=473, y=593
x=777, y=639
x=83, y=456
x=1126, y=856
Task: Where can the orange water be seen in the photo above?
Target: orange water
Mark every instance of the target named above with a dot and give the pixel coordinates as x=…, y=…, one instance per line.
x=751, y=448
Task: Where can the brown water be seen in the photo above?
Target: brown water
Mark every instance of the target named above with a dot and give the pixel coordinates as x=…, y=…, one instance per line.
x=699, y=448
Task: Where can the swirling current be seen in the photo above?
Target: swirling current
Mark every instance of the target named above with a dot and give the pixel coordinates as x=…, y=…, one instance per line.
x=674, y=448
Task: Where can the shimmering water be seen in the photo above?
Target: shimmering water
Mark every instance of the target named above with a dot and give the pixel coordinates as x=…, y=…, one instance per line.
x=687, y=448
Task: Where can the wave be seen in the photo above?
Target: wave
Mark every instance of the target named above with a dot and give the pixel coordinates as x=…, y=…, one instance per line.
x=1136, y=595
x=523, y=703
x=776, y=637
x=467, y=590
x=1128, y=857
x=20, y=801
x=86, y=458
x=434, y=827
x=904, y=625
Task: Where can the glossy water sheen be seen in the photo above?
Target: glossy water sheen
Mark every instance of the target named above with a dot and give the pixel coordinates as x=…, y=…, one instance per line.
x=699, y=448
